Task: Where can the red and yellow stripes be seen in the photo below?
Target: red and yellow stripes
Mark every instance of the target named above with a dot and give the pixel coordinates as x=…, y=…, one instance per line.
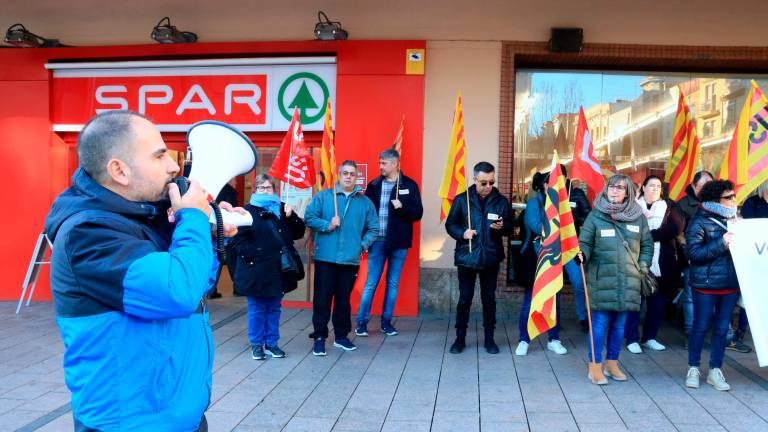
x=746, y=160
x=684, y=154
x=454, y=176
x=328, y=151
x=559, y=245
x=397, y=145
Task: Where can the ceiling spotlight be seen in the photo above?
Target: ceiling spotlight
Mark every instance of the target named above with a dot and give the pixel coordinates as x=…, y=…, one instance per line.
x=19, y=36
x=165, y=33
x=326, y=29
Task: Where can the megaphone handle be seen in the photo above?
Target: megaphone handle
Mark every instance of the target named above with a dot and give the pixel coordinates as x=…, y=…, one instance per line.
x=219, y=233
x=182, y=183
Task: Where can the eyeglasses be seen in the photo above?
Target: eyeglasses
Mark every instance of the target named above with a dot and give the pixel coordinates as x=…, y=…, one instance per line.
x=264, y=188
x=617, y=187
x=486, y=183
x=731, y=197
x=348, y=174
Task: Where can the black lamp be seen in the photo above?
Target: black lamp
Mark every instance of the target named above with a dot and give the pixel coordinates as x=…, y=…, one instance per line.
x=18, y=36
x=165, y=33
x=326, y=29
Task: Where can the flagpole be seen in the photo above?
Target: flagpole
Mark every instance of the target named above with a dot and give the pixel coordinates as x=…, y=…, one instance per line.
x=589, y=312
x=469, y=219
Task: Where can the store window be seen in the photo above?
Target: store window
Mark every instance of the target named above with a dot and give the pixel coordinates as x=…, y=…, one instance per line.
x=630, y=115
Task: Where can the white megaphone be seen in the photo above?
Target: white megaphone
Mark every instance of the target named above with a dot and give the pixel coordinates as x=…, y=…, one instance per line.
x=219, y=153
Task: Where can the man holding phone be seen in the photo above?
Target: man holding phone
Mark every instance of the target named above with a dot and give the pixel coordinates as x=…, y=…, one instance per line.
x=128, y=284
x=478, y=229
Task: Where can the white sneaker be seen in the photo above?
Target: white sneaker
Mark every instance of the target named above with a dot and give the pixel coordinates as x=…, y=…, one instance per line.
x=556, y=347
x=692, y=378
x=654, y=345
x=717, y=380
x=522, y=349
x=634, y=348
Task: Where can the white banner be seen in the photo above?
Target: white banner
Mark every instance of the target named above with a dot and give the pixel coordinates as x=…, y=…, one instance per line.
x=750, y=255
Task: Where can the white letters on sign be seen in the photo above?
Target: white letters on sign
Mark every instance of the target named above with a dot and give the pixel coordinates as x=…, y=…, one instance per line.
x=251, y=100
x=144, y=99
x=120, y=103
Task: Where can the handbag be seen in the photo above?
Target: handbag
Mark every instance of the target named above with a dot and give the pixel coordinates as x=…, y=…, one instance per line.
x=291, y=267
x=648, y=283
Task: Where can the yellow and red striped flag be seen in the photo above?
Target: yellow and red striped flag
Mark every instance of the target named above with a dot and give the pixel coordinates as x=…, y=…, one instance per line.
x=746, y=160
x=327, y=151
x=559, y=245
x=454, y=176
x=684, y=154
x=397, y=145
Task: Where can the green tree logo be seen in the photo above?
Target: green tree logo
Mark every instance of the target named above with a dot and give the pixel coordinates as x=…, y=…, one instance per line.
x=303, y=99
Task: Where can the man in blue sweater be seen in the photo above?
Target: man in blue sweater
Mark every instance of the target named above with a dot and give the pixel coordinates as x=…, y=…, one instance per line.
x=127, y=284
x=340, y=238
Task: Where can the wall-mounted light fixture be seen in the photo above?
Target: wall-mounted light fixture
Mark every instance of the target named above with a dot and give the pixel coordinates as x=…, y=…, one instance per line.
x=18, y=36
x=165, y=33
x=326, y=29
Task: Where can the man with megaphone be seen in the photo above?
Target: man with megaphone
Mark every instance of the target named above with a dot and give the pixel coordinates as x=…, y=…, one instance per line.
x=128, y=284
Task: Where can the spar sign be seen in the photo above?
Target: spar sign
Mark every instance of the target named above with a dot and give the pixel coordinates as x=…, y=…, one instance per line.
x=252, y=94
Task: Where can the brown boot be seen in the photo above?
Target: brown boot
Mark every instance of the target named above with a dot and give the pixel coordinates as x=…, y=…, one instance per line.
x=596, y=374
x=612, y=370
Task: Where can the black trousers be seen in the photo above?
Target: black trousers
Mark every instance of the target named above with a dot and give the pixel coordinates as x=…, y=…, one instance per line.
x=333, y=286
x=467, y=277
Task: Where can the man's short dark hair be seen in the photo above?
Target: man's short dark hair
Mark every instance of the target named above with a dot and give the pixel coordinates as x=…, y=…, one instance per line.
x=485, y=167
x=698, y=175
x=390, y=154
x=349, y=163
x=105, y=136
x=713, y=190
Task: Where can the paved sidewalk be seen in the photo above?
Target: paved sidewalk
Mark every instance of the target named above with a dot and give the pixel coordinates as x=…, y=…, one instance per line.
x=403, y=383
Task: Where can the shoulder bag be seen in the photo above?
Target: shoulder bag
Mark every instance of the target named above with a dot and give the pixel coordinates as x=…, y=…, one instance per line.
x=648, y=283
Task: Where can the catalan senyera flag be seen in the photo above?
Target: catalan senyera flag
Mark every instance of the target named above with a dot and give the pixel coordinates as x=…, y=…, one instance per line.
x=746, y=160
x=397, y=145
x=327, y=152
x=454, y=176
x=559, y=245
x=684, y=154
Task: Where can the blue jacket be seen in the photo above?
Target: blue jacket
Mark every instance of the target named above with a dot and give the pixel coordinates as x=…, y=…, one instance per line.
x=358, y=230
x=711, y=262
x=127, y=291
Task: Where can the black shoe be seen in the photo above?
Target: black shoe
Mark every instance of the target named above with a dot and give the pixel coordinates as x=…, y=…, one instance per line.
x=214, y=295
x=274, y=351
x=318, y=348
x=458, y=346
x=584, y=326
x=490, y=344
x=257, y=353
x=387, y=328
x=739, y=346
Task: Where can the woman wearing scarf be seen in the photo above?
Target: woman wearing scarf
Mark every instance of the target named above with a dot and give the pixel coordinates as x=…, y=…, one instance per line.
x=257, y=274
x=665, y=224
x=713, y=279
x=617, y=245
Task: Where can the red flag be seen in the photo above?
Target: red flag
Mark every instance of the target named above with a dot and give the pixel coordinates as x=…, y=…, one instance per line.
x=585, y=165
x=293, y=163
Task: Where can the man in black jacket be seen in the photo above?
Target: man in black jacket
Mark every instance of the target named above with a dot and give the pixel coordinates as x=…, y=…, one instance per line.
x=398, y=205
x=489, y=221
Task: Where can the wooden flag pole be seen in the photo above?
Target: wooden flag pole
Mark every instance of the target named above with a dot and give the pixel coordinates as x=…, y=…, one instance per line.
x=469, y=219
x=335, y=201
x=397, y=186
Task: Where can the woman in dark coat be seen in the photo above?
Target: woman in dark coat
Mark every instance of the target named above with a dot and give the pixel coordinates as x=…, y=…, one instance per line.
x=714, y=284
x=258, y=274
x=665, y=224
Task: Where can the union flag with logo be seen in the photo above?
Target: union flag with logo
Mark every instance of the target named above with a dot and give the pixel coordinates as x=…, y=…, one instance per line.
x=293, y=164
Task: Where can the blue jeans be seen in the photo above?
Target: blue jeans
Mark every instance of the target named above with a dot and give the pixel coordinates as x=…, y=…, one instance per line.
x=264, y=320
x=377, y=257
x=573, y=271
x=525, y=309
x=686, y=302
x=654, y=314
x=611, y=323
x=703, y=305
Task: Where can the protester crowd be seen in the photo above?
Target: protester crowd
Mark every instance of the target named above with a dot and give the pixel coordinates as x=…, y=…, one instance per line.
x=639, y=251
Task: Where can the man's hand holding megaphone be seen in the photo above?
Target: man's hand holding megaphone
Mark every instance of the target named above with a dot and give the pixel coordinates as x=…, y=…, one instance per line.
x=194, y=197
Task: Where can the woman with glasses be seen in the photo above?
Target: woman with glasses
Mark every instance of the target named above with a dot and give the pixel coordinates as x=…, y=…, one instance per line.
x=616, y=244
x=665, y=224
x=257, y=274
x=714, y=285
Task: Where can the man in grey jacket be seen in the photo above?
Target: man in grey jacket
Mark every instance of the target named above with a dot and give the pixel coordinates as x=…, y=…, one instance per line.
x=339, y=241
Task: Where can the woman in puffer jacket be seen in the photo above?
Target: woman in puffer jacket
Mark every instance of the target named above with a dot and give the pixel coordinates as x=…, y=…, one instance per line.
x=713, y=279
x=617, y=245
x=665, y=224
